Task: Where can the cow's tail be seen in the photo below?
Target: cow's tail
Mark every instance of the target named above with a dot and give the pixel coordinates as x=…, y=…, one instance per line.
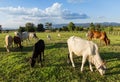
x=105, y=35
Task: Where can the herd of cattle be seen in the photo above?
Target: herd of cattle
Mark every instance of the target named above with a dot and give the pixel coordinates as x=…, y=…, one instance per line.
x=18, y=38
x=76, y=45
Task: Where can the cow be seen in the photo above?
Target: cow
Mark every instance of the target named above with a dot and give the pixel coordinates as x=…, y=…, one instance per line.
x=38, y=52
x=33, y=35
x=98, y=35
x=49, y=37
x=59, y=35
x=26, y=35
x=8, y=42
x=86, y=49
x=22, y=35
x=17, y=41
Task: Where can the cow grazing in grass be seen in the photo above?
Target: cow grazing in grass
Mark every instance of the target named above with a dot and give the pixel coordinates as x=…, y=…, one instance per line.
x=8, y=42
x=26, y=35
x=98, y=35
x=33, y=35
x=17, y=41
x=86, y=49
x=38, y=52
x=49, y=37
x=23, y=35
x=59, y=35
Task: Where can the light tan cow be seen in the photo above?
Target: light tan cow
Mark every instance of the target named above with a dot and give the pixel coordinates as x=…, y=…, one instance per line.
x=88, y=50
x=8, y=42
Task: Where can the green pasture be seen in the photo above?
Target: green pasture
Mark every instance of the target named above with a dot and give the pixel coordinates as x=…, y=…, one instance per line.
x=15, y=67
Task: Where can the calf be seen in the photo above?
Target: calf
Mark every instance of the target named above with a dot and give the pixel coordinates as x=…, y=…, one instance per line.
x=8, y=41
x=17, y=41
x=88, y=50
x=38, y=52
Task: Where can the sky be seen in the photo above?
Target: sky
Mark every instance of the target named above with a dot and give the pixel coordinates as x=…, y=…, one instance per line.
x=15, y=13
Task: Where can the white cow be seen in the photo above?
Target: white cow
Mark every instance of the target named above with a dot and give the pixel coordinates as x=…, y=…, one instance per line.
x=59, y=35
x=49, y=37
x=33, y=35
x=23, y=35
x=86, y=49
x=8, y=42
x=26, y=35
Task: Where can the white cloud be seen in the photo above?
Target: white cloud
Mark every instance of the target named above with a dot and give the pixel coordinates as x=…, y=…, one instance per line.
x=20, y=15
x=54, y=10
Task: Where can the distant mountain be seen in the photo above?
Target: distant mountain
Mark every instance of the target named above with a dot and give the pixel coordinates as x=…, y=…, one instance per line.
x=77, y=24
x=87, y=24
x=7, y=28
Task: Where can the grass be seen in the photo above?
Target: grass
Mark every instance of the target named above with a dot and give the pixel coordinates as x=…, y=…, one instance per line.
x=15, y=67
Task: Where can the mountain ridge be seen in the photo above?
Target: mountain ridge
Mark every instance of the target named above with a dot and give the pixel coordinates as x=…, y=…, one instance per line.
x=87, y=24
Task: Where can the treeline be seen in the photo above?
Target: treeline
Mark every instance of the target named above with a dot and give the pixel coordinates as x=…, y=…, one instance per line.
x=30, y=27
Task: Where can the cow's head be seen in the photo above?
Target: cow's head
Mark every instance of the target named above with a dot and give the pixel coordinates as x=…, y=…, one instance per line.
x=102, y=68
x=32, y=62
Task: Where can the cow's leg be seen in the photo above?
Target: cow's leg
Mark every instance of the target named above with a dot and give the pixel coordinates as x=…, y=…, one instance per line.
x=7, y=48
x=71, y=59
x=43, y=55
x=40, y=57
x=90, y=64
x=105, y=40
x=91, y=69
x=83, y=61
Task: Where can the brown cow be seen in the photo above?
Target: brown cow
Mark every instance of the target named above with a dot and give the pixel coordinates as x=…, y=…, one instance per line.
x=98, y=35
x=17, y=41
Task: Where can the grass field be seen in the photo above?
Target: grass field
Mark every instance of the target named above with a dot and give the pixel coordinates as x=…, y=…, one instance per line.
x=15, y=67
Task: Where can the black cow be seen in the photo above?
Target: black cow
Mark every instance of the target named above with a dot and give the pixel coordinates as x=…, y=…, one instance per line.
x=17, y=41
x=38, y=52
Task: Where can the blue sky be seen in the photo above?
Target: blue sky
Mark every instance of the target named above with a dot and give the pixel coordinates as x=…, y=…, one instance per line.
x=15, y=13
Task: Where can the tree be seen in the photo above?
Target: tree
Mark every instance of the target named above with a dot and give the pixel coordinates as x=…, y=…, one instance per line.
x=0, y=28
x=77, y=28
x=30, y=27
x=110, y=28
x=64, y=28
x=71, y=26
x=92, y=26
x=48, y=26
x=98, y=27
x=21, y=29
x=40, y=28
